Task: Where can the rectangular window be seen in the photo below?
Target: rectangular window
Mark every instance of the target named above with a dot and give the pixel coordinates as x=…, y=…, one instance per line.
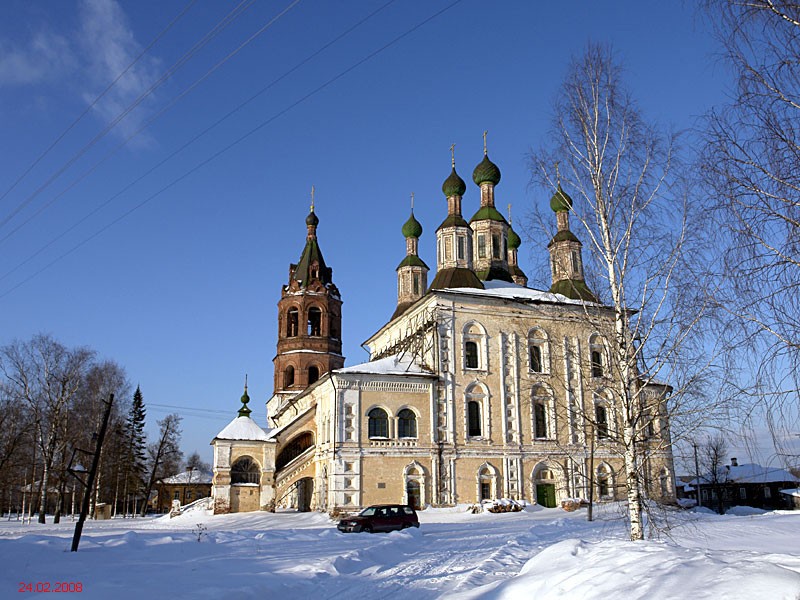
x=575, y=263
x=601, y=422
x=471, y=355
x=486, y=490
x=597, y=364
x=416, y=284
x=767, y=492
x=462, y=247
x=742, y=493
x=536, y=359
x=496, y=247
x=481, y=246
x=448, y=248
x=540, y=423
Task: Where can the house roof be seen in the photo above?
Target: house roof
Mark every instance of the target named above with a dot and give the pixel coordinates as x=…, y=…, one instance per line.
x=749, y=473
x=242, y=428
x=187, y=477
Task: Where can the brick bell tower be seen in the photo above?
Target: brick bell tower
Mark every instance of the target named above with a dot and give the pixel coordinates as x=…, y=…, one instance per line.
x=309, y=320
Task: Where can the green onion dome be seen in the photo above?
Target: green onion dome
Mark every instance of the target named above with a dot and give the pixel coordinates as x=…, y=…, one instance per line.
x=560, y=202
x=454, y=185
x=486, y=171
x=412, y=228
x=312, y=219
x=513, y=239
x=244, y=411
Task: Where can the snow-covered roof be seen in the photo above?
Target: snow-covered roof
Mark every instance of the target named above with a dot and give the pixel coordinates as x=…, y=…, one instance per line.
x=750, y=473
x=794, y=492
x=188, y=476
x=512, y=291
x=402, y=364
x=242, y=428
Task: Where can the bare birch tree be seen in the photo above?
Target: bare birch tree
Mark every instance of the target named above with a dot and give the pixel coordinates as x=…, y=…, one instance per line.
x=45, y=376
x=634, y=222
x=751, y=163
x=164, y=455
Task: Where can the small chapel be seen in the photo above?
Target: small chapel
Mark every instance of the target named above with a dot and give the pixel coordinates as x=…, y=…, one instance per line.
x=478, y=387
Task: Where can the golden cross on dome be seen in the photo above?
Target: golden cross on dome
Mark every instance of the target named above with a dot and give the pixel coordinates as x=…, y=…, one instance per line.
x=412, y=202
x=509, y=213
x=312, y=198
x=453, y=155
x=484, y=143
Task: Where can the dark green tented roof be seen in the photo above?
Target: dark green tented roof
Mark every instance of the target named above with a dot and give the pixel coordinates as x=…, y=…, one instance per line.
x=311, y=254
x=454, y=185
x=487, y=213
x=560, y=202
x=455, y=277
x=494, y=274
x=453, y=221
x=412, y=260
x=565, y=235
x=486, y=171
x=513, y=239
x=412, y=228
x=401, y=308
x=575, y=289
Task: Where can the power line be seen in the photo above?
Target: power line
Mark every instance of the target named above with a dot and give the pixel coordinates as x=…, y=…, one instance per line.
x=144, y=126
x=216, y=30
x=236, y=142
x=172, y=154
x=98, y=98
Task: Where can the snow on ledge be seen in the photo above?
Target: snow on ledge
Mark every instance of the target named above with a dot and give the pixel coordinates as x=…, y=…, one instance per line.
x=402, y=364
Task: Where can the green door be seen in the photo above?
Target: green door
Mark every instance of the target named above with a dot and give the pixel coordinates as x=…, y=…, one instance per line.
x=546, y=495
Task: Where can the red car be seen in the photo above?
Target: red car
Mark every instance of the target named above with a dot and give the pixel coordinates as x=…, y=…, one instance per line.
x=381, y=517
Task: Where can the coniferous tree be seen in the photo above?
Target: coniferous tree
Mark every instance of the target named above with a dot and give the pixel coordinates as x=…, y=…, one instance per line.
x=137, y=447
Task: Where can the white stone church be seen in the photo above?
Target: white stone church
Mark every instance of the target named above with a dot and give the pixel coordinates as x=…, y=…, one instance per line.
x=478, y=388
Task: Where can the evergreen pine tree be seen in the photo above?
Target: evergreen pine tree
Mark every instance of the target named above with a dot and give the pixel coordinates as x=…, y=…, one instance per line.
x=137, y=447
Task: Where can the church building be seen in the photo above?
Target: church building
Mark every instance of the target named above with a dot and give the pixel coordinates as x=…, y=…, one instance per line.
x=478, y=388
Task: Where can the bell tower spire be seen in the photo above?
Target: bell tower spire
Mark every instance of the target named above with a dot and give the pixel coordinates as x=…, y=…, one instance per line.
x=309, y=319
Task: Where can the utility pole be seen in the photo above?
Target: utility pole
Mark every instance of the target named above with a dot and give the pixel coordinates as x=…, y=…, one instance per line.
x=697, y=474
x=87, y=492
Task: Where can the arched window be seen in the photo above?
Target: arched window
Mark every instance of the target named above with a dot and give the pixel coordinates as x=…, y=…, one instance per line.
x=313, y=374
x=314, y=322
x=378, y=423
x=474, y=428
x=245, y=470
x=471, y=355
x=474, y=347
x=406, y=424
x=288, y=377
x=292, y=322
x=597, y=354
x=538, y=351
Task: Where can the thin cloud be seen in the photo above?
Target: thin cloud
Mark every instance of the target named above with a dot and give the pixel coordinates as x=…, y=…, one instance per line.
x=83, y=61
x=46, y=58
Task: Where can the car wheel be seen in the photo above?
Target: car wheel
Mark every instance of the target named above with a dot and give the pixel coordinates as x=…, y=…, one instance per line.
x=366, y=529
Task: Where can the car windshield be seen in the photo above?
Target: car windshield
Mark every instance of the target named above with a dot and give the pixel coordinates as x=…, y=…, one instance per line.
x=367, y=512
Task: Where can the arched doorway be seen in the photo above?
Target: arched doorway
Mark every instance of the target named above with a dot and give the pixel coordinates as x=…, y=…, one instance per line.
x=546, y=480
x=414, y=475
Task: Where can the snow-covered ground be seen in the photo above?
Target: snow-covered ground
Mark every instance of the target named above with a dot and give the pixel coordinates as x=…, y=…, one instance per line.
x=538, y=553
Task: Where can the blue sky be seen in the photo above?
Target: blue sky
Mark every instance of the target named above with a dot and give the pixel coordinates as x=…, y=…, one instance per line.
x=182, y=290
